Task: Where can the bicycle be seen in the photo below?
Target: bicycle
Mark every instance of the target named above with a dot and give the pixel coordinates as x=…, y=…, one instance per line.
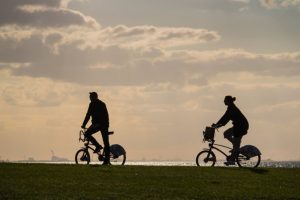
x=248, y=156
x=82, y=156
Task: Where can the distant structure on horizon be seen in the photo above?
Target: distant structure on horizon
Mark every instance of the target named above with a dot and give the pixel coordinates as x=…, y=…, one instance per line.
x=31, y=159
x=55, y=158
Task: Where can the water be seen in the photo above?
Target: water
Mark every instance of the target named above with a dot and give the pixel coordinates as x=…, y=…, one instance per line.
x=271, y=164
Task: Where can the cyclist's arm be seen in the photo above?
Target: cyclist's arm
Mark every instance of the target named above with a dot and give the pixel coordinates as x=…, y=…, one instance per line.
x=106, y=117
x=87, y=117
x=224, y=119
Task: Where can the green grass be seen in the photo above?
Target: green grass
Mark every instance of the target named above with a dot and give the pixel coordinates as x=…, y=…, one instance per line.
x=49, y=181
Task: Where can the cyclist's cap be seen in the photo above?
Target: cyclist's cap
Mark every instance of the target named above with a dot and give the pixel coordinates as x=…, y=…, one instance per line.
x=94, y=94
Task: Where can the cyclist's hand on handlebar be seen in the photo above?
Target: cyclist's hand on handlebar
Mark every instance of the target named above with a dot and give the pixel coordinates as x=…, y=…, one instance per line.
x=215, y=125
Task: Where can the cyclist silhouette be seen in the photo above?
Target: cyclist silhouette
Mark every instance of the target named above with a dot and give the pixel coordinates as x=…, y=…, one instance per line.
x=239, y=129
x=100, y=122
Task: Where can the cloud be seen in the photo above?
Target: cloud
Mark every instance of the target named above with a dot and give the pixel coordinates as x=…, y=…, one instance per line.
x=36, y=13
x=269, y=4
x=40, y=40
x=241, y=1
x=136, y=55
x=272, y=4
x=33, y=92
x=289, y=3
x=138, y=36
x=56, y=53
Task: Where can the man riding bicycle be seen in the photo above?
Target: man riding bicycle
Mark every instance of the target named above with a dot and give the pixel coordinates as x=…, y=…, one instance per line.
x=239, y=129
x=100, y=122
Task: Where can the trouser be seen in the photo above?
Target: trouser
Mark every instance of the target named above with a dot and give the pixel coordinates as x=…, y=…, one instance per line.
x=104, y=132
x=236, y=141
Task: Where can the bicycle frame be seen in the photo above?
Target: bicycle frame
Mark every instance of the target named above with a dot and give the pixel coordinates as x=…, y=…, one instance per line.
x=117, y=153
x=212, y=146
x=87, y=143
x=247, y=156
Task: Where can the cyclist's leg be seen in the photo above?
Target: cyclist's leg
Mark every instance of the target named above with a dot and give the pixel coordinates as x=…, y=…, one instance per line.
x=89, y=132
x=238, y=133
x=228, y=134
x=236, y=146
x=105, y=137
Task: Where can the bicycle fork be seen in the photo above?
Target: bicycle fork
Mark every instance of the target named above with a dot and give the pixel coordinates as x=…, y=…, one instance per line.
x=210, y=156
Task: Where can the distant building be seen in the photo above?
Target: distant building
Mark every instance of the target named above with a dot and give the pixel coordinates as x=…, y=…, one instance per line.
x=31, y=159
x=55, y=158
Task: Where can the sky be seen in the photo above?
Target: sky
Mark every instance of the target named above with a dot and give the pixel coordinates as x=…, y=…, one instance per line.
x=162, y=67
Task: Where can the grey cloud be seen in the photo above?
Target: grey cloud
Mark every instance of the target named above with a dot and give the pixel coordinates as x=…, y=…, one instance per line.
x=131, y=67
x=55, y=55
x=271, y=4
x=144, y=72
x=53, y=38
x=124, y=31
x=53, y=15
x=241, y=1
x=157, y=36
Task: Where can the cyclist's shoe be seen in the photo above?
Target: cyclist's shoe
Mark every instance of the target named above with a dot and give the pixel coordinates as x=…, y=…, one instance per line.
x=84, y=157
x=98, y=148
x=106, y=163
x=230, y=160
x=229, y=163
x=100, y=158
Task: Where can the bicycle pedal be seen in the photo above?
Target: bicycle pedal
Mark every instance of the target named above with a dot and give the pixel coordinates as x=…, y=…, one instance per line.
x=209, y=159
x=83, y=158
x=100, y=158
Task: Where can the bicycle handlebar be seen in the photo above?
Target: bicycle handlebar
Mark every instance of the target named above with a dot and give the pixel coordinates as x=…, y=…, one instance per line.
x=82, y=134
x=215, y=126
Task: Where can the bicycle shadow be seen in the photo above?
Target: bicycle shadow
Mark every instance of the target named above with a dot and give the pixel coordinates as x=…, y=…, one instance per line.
x=258, y=170
x=254, y=170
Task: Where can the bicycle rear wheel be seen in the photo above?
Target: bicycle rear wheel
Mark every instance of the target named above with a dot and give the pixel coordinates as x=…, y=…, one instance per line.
x=248, y=162
x=82, y=157
x=117, y=155
x=206, y=159
x=118, y=160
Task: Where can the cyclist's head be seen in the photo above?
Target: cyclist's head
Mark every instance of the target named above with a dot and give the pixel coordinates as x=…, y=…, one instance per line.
x=93, y=96
x=229, y=100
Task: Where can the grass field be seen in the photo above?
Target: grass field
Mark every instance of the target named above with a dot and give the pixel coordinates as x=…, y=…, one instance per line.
x=49, y=181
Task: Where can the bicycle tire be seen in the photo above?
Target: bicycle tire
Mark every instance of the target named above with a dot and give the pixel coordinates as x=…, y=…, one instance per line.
x=201, y=158
x=245, y=162
x=117, y=154
x=120, y=160
x=82, y=157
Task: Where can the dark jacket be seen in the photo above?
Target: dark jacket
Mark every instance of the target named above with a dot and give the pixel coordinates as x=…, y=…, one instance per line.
x=98, y=111
x=239, y=121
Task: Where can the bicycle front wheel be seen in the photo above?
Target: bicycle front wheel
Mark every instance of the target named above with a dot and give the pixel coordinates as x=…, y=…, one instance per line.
x=82, y=157
x=206, y=158
x=249, y=162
